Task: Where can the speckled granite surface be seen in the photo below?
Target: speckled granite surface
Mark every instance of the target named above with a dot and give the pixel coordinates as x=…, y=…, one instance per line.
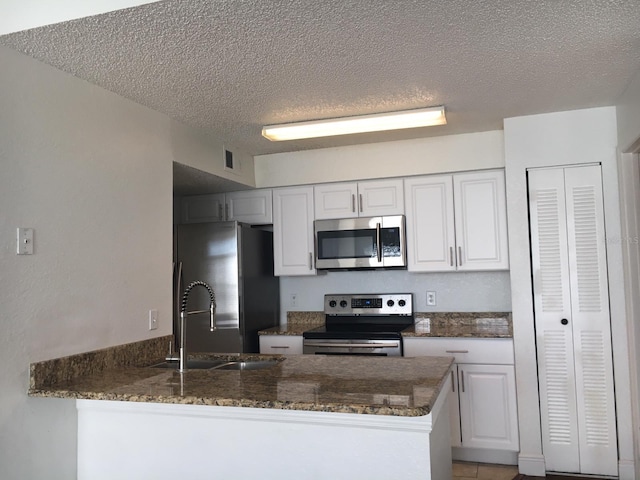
x=297, y=324
x=435, y=324
x=67, y=368
x=463, y=324
x=372, y=385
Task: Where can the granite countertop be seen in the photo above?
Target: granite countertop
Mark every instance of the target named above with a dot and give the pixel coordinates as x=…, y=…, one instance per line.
x=461, y=324
x=373, y=385
x=435, y=324
x=297, y=324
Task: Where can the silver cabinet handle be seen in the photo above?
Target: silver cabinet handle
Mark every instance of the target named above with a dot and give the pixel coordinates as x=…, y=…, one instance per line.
x=462, y=379
x=451, y=256
x=379, y=242
x=459, y=256
x=226, y=211
x=457, y=351
x=310, y=260
x=360, y=202
x=279, y=346
x=220, y=212
x=353, y=203
x=453, y=384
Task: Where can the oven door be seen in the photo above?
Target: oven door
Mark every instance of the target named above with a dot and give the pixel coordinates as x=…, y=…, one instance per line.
x=370, y=347
x=371, y=242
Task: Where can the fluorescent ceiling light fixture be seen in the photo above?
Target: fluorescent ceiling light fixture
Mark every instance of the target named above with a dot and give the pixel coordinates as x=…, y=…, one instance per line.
x=379, y=122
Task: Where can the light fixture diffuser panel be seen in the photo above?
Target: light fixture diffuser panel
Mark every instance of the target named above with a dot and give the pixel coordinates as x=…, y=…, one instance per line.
x=379, y=122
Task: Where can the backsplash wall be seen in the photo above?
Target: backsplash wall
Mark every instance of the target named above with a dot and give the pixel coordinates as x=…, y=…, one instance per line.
x=455, y=292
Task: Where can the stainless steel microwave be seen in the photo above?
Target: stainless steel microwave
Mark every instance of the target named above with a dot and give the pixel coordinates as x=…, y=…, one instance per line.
x=350, y=243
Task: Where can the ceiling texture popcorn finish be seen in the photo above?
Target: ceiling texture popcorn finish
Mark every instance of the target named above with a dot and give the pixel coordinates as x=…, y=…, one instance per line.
x=231, y=66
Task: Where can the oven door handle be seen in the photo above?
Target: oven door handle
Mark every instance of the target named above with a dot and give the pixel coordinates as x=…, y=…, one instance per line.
x=391, y=344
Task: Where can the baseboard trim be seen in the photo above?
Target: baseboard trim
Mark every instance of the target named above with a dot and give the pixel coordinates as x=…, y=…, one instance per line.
x=626, y=470
x=532, y=465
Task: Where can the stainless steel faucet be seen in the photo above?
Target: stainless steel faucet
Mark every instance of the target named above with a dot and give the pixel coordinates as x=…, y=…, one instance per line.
x=183, y=317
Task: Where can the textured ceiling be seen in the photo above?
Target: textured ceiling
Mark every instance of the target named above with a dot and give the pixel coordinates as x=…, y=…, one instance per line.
x=232, y=66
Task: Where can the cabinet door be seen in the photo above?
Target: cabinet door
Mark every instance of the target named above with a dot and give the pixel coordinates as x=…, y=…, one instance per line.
x=251, y=206
x=293, y=231
x=281, y=344
x=202, y=208
x=380, y=197
x=481, y=221
x=430, y=223
x=488, y=406
x=336, y=200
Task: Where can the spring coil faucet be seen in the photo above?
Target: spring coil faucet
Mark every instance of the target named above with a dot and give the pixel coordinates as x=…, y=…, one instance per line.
x=183, y=316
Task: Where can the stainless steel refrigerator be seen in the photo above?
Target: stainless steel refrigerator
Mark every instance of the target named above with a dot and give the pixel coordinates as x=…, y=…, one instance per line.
x=237, y=262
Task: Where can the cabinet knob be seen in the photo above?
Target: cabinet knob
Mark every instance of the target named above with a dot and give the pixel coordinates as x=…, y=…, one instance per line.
x=564, y=321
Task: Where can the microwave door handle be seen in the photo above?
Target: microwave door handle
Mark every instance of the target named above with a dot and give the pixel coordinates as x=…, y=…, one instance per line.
x=379, y=242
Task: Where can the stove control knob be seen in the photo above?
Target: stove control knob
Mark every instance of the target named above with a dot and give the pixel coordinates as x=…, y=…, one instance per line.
x=402, y=303
x=332, y=303
x=343, y=303
x=390, y=303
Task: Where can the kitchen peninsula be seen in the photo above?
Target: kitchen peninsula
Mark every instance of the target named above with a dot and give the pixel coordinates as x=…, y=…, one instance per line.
x=303, y=417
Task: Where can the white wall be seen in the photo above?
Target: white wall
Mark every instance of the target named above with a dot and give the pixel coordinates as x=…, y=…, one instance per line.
x=91, y=172
x=473, y=151
x=200, y=150
x=628, y=117
x=562, y=138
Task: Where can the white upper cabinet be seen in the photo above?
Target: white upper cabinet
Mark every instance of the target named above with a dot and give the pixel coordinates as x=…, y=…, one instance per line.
x=202, y=208
x=481, y=220
x=457, y=222
x=249, y=206
x=430, y=223
x=364, y=199
x=293, y=242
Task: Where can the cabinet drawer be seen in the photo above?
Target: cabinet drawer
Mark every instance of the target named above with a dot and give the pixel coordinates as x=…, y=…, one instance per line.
x=282, y=344
x=497, y=351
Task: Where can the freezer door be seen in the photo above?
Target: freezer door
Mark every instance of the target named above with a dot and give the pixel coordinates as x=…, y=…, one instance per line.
x=209, y=252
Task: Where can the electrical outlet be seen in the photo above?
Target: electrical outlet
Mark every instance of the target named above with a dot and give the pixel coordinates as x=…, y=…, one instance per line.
x=153, y=319
x=293, y=300
x=431, y=299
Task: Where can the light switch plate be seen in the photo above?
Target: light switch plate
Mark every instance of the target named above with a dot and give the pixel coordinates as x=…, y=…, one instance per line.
x=25, y=241
x=153, y=319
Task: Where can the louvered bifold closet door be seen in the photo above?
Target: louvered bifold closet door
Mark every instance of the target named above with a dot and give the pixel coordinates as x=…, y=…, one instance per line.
x=591, y=321
x=552, y=303
x=572, y=320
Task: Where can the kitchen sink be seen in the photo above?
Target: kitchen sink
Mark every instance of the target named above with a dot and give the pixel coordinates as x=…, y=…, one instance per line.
x=247, y=365
x=194, y=364
x=203, y=364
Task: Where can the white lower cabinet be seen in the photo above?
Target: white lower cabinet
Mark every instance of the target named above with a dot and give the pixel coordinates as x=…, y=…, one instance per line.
x=487, y=395
x=482, y=404
x=282, y=344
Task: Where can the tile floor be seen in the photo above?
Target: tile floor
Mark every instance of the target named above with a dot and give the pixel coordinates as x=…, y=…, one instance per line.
x=483, y=471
